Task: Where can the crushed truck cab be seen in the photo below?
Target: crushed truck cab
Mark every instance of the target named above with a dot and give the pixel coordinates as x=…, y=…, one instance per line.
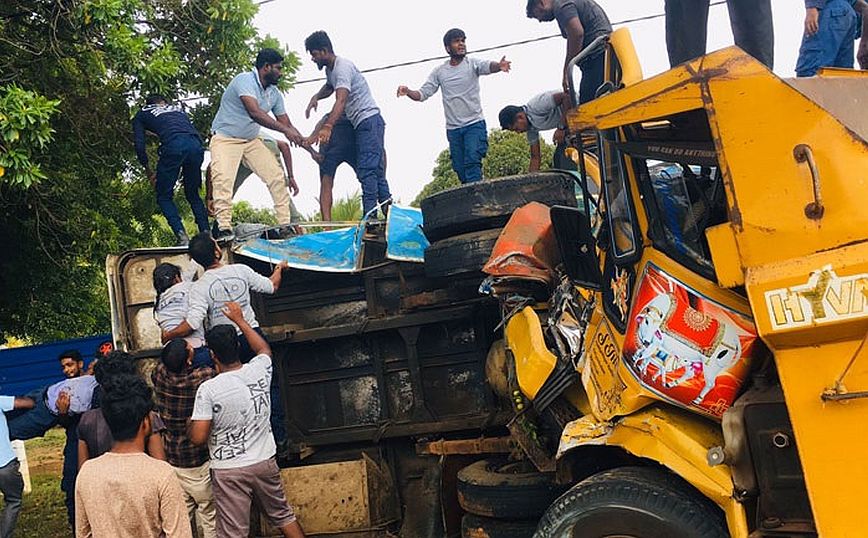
x=723, y=325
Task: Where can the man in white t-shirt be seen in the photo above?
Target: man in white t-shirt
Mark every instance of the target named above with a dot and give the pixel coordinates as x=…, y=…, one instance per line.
x=231, y=414
x=458, y=79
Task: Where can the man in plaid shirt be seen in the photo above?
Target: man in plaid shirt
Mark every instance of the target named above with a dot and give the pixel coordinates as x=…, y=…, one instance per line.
x=175, y=385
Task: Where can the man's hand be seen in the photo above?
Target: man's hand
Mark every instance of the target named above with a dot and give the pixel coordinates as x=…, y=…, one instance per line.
x=209, y=203
x=152, y=177
x=558, y=136
x=403, y=90
x=294, y=137
x=292, y=186
x=311, y=106
x=324, y=134
x=62, y=403
x=505, y=64
x=812, y=21
x=233, y=313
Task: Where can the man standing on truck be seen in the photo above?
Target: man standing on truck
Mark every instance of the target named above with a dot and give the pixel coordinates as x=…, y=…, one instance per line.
x=580, y=22
x=244, y=107
x=280, y=150
x=180, y=150
x=353, y=98
x=750, y=20
x=542, y=113
x=458, y=78
x=831, y=27
x=231, y=415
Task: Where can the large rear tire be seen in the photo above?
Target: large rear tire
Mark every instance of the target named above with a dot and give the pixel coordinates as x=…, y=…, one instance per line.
x=635, y=502
x=493, y=488
x=489, y=204
x=465, y=253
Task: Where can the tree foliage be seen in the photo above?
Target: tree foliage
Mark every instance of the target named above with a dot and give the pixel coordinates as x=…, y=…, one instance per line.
x=72, y=75
x=508, y=155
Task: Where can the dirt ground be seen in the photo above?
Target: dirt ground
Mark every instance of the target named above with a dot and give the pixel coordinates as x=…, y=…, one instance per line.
x=44, y=513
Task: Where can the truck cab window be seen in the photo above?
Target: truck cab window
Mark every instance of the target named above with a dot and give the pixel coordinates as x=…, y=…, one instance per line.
x=687, y=199
x=619, y=210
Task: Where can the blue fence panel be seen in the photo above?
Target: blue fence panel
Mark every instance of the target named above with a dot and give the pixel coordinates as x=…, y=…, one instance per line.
x=23, y=369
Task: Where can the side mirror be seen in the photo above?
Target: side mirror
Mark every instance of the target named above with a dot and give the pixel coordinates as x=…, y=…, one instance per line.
x=577, y=246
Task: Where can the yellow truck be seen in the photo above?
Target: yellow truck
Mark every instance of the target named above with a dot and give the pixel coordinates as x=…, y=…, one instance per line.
x=712, y=325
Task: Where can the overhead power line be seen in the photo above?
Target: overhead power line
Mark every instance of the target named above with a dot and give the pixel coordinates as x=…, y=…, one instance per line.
x=485, y=49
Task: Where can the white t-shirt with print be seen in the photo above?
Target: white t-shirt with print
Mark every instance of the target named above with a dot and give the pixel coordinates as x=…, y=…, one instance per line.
x=238, y=404
x=218, y=286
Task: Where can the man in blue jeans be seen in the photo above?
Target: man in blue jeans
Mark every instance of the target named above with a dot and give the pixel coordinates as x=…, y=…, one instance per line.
x=458, y=77
x=180, y=150
x=353, y=98
x=831, y=27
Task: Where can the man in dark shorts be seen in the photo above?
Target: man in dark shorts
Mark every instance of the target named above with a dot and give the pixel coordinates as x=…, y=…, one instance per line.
x=580, y=22
x=340, y=149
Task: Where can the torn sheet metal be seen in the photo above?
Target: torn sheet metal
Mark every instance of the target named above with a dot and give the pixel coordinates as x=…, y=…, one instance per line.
x=332, y=251
x=526, y=249
x=340, y=251
x=404, y=238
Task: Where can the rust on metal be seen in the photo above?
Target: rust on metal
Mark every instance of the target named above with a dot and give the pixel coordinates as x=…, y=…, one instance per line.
x=481, y=445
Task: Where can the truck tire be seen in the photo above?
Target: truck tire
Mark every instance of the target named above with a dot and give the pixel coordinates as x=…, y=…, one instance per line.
x=493, y=488
x=465, y=253
x=489, y=204
x=632, y=501
x=473, y=526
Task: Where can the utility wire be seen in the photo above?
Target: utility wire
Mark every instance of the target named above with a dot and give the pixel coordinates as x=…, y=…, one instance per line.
x=485, y=49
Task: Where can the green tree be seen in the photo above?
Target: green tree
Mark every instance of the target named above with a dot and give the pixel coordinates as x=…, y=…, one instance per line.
x=508, y=154
x=72, y=75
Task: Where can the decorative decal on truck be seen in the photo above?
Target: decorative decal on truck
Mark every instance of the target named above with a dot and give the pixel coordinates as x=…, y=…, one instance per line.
x=825, y=298
x=684, y=347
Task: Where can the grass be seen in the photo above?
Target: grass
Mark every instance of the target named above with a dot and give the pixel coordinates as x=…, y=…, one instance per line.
x=44, y=512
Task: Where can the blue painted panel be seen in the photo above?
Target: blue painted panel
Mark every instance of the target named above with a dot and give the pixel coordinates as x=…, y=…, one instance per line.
x=404, y=238
x=23, y=369
x=335, y=251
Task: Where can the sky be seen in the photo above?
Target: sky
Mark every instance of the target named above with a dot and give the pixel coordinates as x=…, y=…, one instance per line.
x=382, y=32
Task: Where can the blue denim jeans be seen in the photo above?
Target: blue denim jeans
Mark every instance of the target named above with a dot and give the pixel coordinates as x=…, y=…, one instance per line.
x=467, y=147
x=832, y=45
x=181, y=154
x=371, y=164
x=29, y=423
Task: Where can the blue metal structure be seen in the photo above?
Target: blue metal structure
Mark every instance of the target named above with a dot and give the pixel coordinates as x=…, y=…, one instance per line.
x=23, y=369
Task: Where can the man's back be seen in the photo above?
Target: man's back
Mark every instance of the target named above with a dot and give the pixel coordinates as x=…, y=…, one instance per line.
x=218, y=286
x=238, y=404
x=129, y=496
x=175, y=395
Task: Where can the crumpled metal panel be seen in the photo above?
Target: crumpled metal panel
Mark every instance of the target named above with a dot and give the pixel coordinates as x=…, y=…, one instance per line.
x=339, y=251
x=404, y=238
x=526, y=248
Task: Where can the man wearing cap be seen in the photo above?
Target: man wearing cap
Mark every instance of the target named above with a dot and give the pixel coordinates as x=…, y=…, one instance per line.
x=458, y=78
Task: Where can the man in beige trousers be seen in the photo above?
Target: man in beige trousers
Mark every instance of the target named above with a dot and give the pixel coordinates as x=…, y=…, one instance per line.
x=244, y=107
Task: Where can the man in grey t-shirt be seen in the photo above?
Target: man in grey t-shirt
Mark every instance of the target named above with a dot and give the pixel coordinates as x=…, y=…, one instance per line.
x=458, y=79
x=542, y=113
x=580, y=22
x=353, y=98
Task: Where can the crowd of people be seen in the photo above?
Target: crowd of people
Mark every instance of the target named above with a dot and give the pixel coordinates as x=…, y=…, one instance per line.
x=353, y=131
x=192, y=450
